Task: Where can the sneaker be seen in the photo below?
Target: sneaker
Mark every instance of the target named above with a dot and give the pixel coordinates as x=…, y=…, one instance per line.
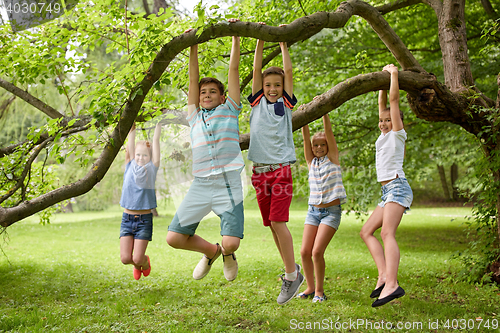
x=289, y=288
x=230, y=266
x=319, y=299
x=203, y=267
x=305, y=296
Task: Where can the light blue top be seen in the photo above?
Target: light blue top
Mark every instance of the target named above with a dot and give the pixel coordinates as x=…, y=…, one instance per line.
x=138, y=191
x=271, y=135
x=215, y=139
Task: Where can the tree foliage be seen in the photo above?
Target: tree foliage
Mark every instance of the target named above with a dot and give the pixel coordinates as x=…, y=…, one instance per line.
x=129, y=65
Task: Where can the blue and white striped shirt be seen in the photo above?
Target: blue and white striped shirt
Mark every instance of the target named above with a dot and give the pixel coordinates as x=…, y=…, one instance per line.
x=215, y=139
x=325, y=182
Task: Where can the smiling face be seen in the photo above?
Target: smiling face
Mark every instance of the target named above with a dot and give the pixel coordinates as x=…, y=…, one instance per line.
x=142, y=153
x=319, y=145
x=384, y=122
x=273, y=87
x=210, y=96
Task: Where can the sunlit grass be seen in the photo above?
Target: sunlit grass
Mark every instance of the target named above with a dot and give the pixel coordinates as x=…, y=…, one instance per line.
x=67, y=277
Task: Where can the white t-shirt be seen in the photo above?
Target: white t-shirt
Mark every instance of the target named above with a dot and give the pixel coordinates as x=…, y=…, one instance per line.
x=390, y=155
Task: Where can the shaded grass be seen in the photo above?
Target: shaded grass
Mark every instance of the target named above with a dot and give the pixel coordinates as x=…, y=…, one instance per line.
x=67, y=277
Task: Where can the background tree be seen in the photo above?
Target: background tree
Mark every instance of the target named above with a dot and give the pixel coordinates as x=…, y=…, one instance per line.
x=338, y=50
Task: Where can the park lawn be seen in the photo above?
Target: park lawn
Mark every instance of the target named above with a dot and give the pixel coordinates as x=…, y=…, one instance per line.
x=67, y=276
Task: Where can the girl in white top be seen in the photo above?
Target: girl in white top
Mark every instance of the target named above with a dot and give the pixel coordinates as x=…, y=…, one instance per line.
x=396, y=194
x=327, y=193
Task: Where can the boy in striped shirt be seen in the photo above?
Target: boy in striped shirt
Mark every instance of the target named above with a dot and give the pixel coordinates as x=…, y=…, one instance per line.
x=217, y=163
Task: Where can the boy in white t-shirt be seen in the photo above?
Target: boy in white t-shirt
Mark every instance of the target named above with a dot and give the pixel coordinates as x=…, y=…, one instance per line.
x=397, y=195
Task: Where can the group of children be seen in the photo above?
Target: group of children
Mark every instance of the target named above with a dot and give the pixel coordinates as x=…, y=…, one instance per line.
x=217, y=164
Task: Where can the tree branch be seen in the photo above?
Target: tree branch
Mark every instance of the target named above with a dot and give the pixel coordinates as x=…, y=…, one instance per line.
x=30, y=99
x=414, y=80
x=27, y=168
x=393, y=6
x=489, y=9
x=387, y=35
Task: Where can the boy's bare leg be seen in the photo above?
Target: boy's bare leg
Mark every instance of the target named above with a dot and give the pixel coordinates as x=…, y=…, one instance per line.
x=230, y=244
x=277, y=242
x=191, y=243
x=286, y=245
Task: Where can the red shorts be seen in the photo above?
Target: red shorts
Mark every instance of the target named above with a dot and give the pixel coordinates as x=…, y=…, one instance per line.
x=274, y=194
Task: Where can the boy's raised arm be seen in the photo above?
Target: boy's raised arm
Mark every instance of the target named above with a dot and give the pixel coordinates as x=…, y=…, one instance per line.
x=156, y=145
x=397, y=123
x=194, y=78
x=257, y=67
x=333, y=150
x=233, y=77
x=287, y=68
x=307, y=145
x=130, y=148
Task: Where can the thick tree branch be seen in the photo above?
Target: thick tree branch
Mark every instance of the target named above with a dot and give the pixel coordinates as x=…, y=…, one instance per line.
x=489, y=9
x=30, y=99
x=393, y=6
x=414, y=80
x=387, y=35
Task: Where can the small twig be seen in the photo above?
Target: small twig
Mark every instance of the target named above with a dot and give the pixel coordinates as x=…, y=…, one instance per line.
x=303, y=10
x=65, y=92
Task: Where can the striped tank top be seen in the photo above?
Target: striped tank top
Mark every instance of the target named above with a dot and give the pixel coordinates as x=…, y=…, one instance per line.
x=325, y=182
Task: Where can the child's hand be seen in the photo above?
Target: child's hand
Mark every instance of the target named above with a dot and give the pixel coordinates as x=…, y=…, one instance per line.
x=261, y=23
x=188, y=30
x=282, y=25
x=390, y=68
x=232, y=20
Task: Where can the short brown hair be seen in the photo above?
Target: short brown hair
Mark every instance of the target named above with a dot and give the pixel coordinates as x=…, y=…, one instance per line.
x=207, y=80
x=274, y=70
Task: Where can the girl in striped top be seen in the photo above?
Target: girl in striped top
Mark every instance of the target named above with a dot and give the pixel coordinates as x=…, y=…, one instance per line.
x=327, y=193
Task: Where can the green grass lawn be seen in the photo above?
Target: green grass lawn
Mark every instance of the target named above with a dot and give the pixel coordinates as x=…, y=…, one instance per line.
x=67, y=276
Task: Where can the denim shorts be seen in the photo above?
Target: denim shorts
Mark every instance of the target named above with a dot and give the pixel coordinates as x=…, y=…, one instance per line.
x=222, y=194
x=328, y=215
x=138, y=226
x=398, y=191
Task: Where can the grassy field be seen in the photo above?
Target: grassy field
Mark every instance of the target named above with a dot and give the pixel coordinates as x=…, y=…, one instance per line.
x=67, y=277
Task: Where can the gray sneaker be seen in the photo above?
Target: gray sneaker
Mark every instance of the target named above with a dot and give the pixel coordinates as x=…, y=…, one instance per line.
x=205, y=264
x=289, y=288
x=230, y=266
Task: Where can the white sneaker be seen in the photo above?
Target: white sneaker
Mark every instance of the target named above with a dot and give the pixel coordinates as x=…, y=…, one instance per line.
x=230, y=266
x=205, y=264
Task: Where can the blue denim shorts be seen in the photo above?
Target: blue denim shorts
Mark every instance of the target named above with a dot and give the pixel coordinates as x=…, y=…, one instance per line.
x=398, y=191
x=138, y=226
x=328, y=215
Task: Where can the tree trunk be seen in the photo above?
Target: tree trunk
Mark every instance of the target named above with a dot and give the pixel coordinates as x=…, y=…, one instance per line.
x=454, y=177
x=453, y=42
x=444, y=184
